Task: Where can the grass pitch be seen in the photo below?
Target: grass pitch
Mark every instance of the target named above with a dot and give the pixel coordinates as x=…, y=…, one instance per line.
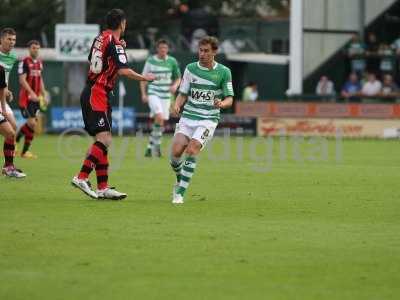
x=306, y=220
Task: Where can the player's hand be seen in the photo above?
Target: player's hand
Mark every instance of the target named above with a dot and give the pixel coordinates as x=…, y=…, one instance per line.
x=176, y=109
x=3, y=110
x=218, y=103
x=9, y=96
x=173, y=88
x=46, y=97
x=33, y=97
x=145, y=98
x=150, y=77
x=123, y=43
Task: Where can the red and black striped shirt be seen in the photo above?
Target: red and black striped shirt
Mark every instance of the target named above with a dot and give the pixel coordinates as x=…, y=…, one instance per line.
x=106, y=57
x=33, y=70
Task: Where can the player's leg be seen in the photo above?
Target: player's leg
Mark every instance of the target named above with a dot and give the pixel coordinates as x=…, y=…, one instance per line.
x=11, y=120
x=156, y=111
x=8, y=132
x=11, y=117
x=188, y=168
x=90, y=119
x=202, y=134
x=156, y=133
x=183, y=133
x=97, y=158
x=28, y=129
x=160, y=120
x=103, y=140
x=179, y=144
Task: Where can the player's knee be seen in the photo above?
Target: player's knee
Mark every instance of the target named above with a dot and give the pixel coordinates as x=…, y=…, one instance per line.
x=10, y=134
x=107, y=141
x=193, y=149
x=104, y=138
x=176, y=152
x=159, y=119
x=32, y=123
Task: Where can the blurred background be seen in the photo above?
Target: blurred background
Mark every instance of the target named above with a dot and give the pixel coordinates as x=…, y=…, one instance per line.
x=313, y=62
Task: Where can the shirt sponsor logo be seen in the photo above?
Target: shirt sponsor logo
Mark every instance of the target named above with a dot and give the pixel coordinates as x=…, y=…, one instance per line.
x=119, y=49
x=202, y=95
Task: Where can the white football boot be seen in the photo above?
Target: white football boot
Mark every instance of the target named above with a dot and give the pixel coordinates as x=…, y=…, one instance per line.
x=84, y=186
x=110, y=193
x=13, y=172
x=176, y=198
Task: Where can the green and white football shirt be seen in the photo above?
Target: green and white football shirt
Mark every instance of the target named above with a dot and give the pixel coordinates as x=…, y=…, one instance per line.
x=7, y=61
x=166, y=71
x=202, y=86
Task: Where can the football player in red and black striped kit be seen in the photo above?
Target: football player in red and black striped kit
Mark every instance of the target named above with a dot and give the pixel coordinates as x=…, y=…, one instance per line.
x=32, y=86
x=107, y=60
x=7, y=130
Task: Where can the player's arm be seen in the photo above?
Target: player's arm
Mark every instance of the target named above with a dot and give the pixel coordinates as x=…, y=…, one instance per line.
x=3, y=99
x=175, y=85
x=22, y=72
x=42, y=86
x=226, y=103
x=184, y=89
x=129, y=73
x=227, y=89
x=143, y=84
x=121, y=60
x=176, y=73
x=143, y=91
x=3, y=87
x=25, y=85
x=179, y=102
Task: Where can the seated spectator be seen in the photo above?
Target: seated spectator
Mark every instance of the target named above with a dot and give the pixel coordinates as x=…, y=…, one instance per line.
x=372, y=52
x=389, y=88
x=250, y=92
x=388, y=61
x=355, y=53
x=352, y=87
x=396, y=46
x=372, y=87
x=325, y=87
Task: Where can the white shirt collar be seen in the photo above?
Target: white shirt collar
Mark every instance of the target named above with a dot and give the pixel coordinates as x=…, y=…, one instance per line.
x=160, y=59
x=207, y=69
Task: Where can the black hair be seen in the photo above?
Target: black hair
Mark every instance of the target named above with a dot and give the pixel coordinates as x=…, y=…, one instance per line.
x=33, y=42
x=114, y=18
x=9, y=31
x=161, y=41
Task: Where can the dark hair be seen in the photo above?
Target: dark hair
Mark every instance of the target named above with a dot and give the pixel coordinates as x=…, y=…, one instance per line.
x=8, y=30
x=114, y=18
x=33, y=42
x=209, y=40
x=161, y=41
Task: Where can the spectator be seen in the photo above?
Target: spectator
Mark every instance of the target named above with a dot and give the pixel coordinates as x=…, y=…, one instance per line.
x=325, y=87
x=352, y=87
x=372, y=53
x=388, y=62
x=372, y=87
x=389, y=88
x=355, y=53
x=250, y=92
x=396, y=46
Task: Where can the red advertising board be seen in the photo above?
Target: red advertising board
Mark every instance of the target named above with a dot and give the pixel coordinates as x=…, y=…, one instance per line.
x=317, y=110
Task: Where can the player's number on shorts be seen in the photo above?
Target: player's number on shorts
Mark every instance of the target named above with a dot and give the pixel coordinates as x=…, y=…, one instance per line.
x=205, y=134
x=96, y=62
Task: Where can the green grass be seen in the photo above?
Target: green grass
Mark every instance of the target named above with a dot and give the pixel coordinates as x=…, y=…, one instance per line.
x=310, y=226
